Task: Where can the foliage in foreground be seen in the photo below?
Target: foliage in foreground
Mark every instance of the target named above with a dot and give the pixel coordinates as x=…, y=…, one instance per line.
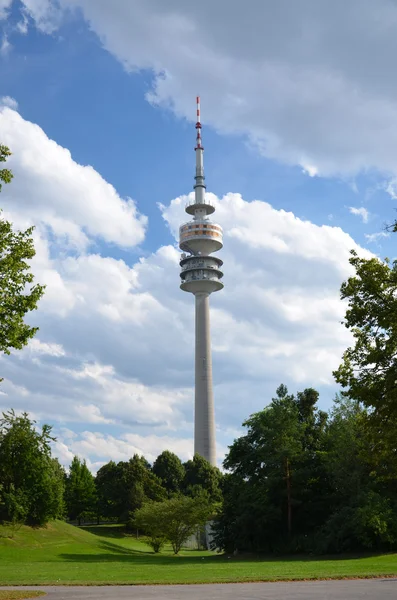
x=18, y=295
x=369, y=368
x=173, y=520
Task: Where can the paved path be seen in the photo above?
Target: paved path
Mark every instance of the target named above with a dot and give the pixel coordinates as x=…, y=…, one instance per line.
x=370, y=589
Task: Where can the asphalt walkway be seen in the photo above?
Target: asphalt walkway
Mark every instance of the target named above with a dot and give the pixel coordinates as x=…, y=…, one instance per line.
x=374, y=589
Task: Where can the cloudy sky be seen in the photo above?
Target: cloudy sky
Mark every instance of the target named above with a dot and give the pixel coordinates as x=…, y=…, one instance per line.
x=97, y=105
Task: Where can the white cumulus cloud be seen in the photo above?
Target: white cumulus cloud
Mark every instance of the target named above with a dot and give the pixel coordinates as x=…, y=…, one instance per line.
x=308, y=82
x=54, y=191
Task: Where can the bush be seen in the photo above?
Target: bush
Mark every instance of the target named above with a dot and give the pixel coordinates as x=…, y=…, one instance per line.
x=156, y=543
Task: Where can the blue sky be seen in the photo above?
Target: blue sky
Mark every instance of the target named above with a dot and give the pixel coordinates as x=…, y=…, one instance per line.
x=122, y=102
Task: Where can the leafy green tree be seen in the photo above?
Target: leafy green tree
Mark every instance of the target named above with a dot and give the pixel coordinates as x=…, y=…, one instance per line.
x=17, y=294
x=139, y=485
x=312, y=419
x=275, y=492
x=169, y=469
x=107, y=488
x=32, y=484
x=125, y=486
x=369, y=368
x=175, y=519
x=362, y=513
x=271, y=451
x=330, y=499
x=310, y=478
x=80, y=493
x=201, y=476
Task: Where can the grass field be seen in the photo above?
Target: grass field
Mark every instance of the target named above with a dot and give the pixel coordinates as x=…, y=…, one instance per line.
x=62, y=554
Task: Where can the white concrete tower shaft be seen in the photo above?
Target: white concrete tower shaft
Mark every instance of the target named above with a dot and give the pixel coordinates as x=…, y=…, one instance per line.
x=201, y=275
x=204, y=421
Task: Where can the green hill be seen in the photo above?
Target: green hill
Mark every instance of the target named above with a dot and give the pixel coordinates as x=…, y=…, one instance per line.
x=55, y=535
x=63, y=554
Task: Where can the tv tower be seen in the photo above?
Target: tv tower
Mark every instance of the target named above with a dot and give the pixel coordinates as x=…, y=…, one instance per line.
x=201, y=275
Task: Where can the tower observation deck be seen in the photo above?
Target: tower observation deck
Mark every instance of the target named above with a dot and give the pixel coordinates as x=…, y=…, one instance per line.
x=201, y=275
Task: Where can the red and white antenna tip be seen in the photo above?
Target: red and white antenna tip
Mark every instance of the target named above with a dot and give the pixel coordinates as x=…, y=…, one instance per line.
x=198, y=125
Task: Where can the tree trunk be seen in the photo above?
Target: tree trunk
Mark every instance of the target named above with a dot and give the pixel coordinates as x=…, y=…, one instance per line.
x=289, y=504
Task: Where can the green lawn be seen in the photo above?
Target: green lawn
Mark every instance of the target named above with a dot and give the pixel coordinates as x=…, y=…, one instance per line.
x=63, y=554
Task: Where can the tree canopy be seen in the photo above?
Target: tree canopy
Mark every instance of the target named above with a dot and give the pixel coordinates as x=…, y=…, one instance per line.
x=125, y=486
x=169, y=469
x=80, y=493
x=369, y=368
x=31, y=481
x=18, y=294
x=175, y=519
x=302, y=481
x=201, y=476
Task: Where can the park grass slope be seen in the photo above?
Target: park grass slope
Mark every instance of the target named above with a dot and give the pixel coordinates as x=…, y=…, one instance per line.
x=61, y=554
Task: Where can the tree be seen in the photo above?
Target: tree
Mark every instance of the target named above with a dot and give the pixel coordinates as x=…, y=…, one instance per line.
x=106, y=482
x=362, y=513
x=31, y=480
x=169, y=469
x=125, y=486
x=271, y=451
x=175, y=519
x=17, y=294
x=200, y=476
x=369, y=368
x=275, y=492
x=80, y=491
x=303, y=481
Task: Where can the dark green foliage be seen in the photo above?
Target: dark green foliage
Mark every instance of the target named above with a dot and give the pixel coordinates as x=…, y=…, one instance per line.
x=175, y=519
x=170, y=471
x=201, y=476
x=17, y=294
x=107, y=486
x=124, y=487
x=301, y=481
x=32, y=483
x=80, y=493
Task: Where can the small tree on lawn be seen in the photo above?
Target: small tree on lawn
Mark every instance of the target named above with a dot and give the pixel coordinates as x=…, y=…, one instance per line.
x=174, y=520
